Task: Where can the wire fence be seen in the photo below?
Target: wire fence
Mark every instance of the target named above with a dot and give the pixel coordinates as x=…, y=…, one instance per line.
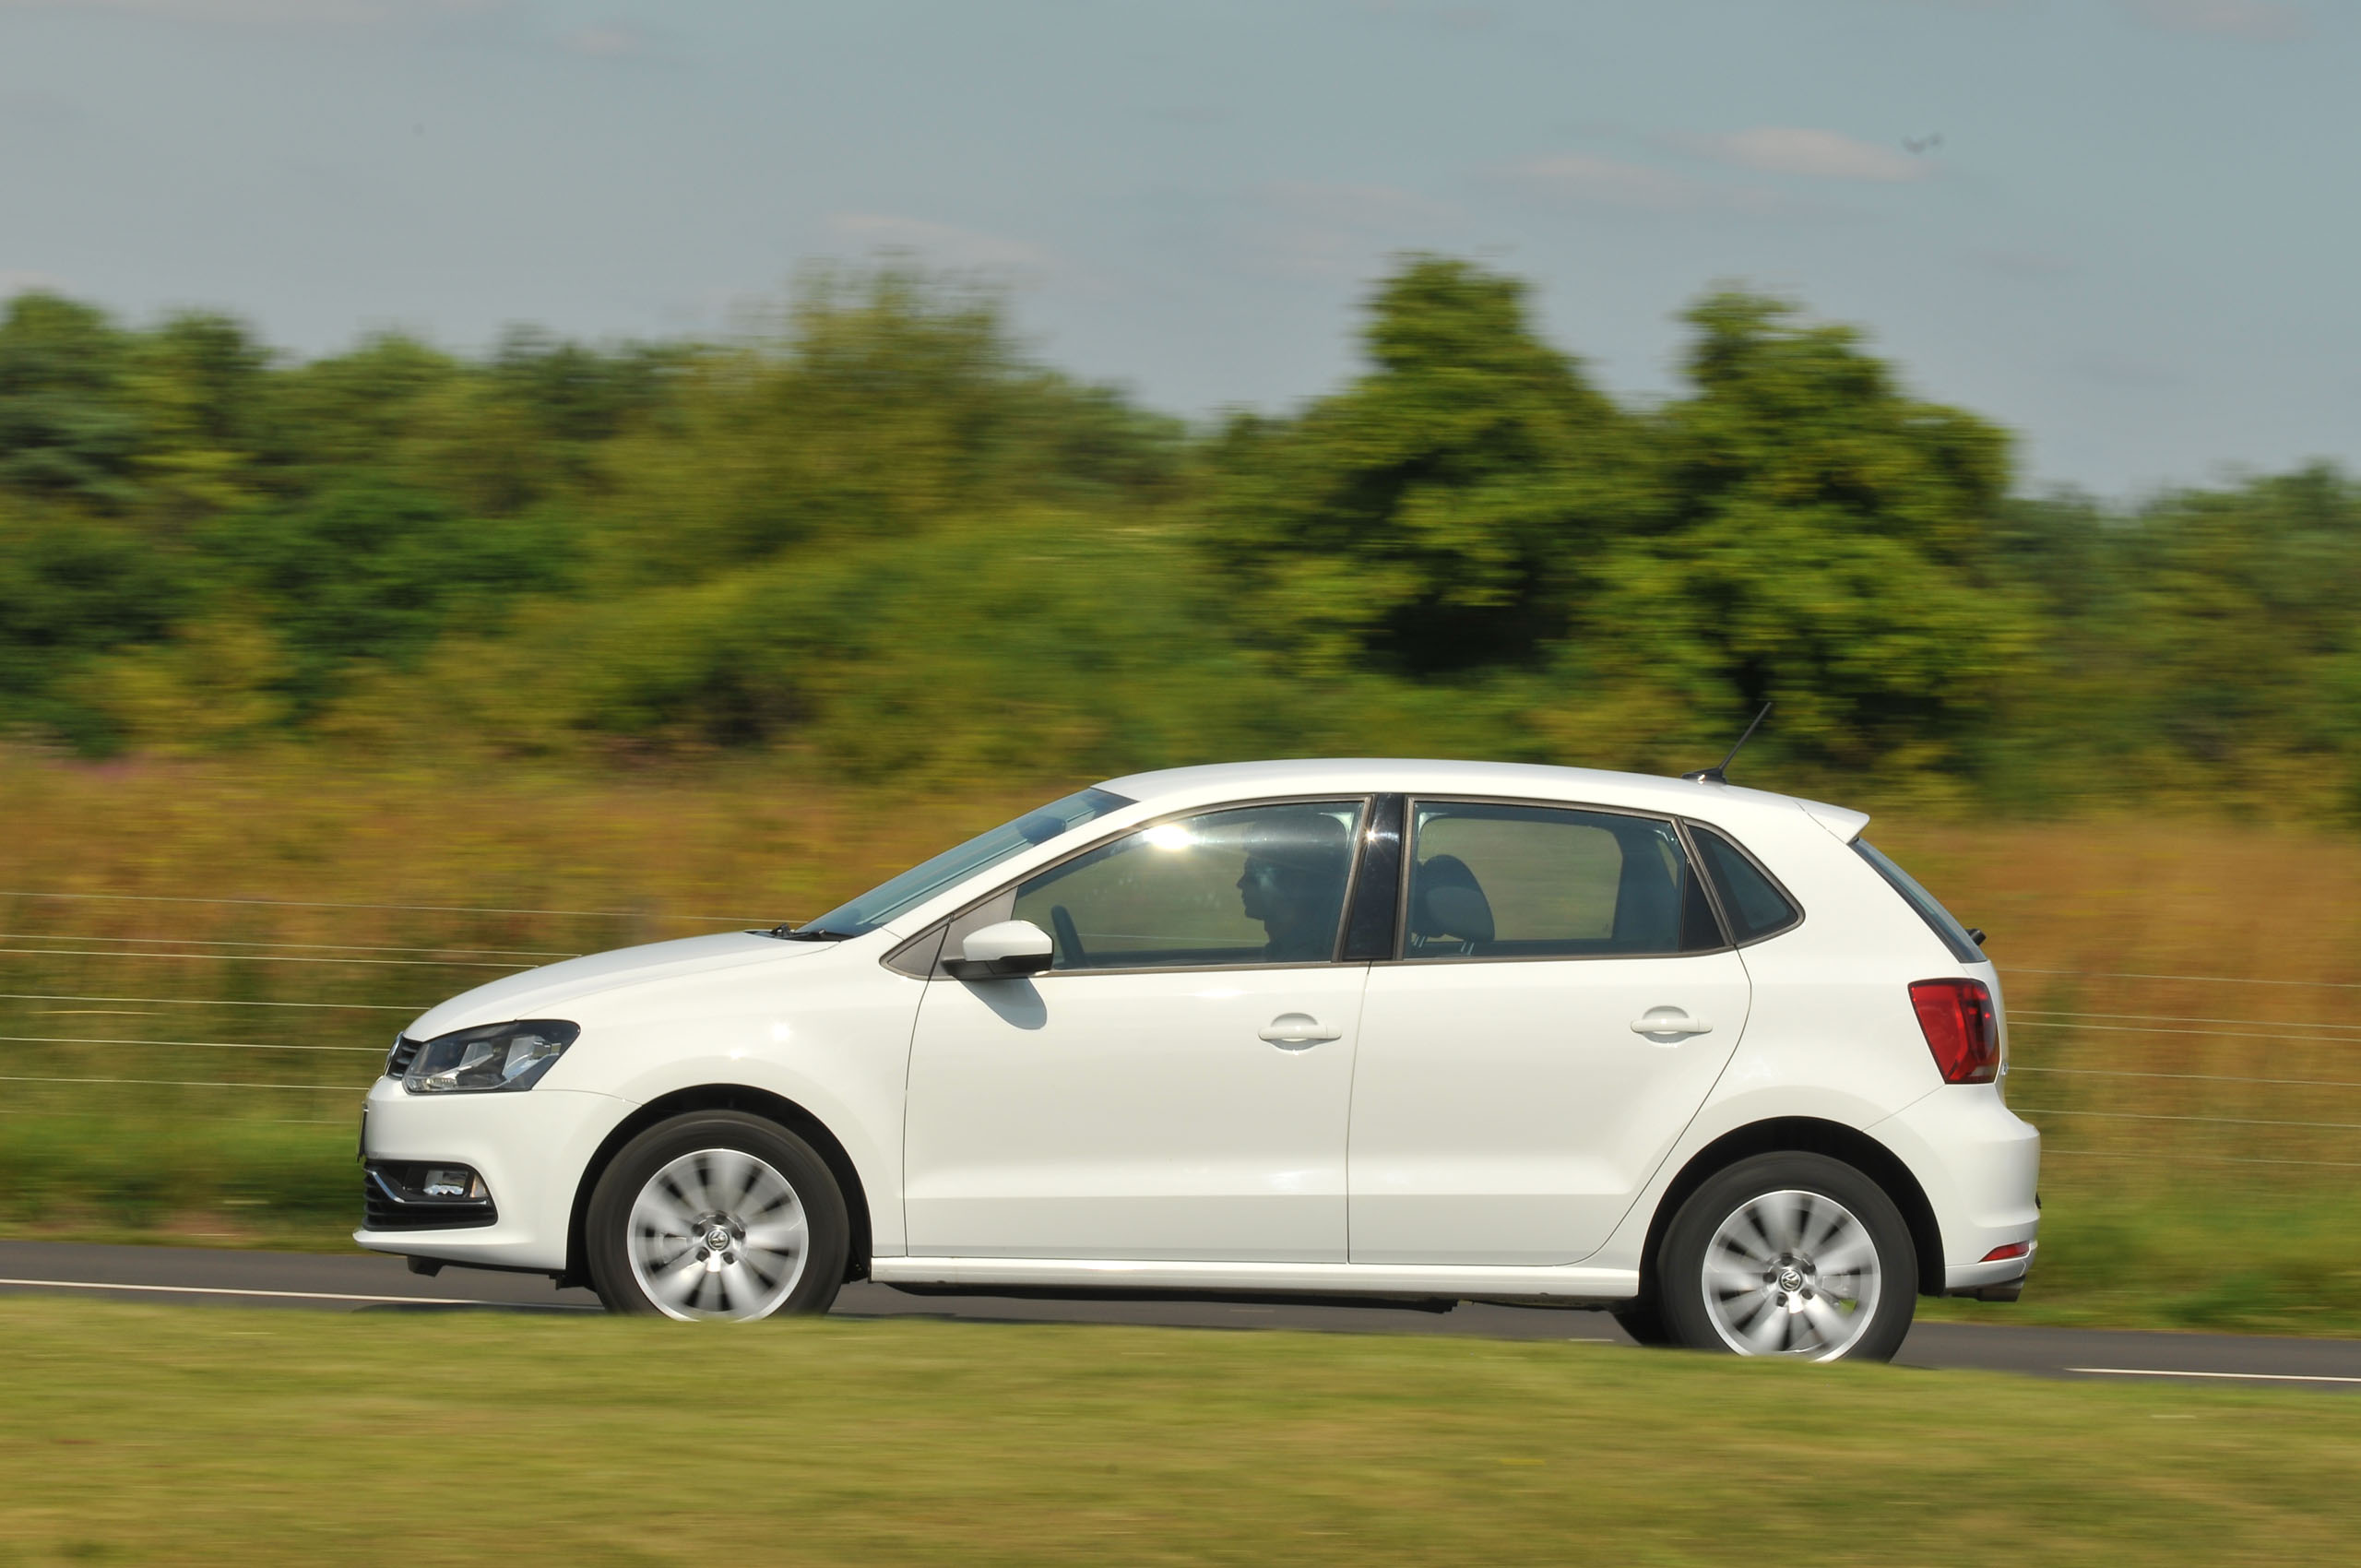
x=2226, y=1084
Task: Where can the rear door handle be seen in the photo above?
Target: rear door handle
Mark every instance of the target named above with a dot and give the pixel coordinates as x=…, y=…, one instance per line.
x=1669, y=1021
x=1297, y=1029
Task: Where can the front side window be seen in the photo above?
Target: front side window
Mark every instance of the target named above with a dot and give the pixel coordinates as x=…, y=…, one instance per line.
x=915, y=887
x=1252, y=884
x=1538, y=881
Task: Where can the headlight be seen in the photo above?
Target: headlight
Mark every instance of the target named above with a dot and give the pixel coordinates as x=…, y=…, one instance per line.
x=495, y=1056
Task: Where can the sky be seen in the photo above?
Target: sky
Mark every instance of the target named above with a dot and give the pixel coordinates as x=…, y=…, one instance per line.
x=2125, y=229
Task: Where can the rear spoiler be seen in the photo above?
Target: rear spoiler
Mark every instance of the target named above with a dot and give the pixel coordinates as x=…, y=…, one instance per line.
x=1845, y=823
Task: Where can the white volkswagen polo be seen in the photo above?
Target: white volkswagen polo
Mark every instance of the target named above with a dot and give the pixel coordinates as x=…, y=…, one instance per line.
x=1691, y=1053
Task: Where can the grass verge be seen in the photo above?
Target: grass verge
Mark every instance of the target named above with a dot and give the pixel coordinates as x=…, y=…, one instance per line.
x=254, y=1438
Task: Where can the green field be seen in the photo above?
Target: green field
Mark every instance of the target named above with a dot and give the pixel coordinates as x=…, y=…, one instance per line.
x=196, y=1436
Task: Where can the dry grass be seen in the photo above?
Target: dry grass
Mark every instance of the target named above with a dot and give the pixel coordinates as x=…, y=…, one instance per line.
x=2219, y=964
x=123, y=1004
x=2207, y=1085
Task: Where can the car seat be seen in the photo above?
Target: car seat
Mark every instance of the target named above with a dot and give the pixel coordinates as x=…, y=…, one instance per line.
x=1448, y=907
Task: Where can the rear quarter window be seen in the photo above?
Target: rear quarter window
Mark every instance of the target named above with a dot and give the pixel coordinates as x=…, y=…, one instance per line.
x=1751, y=902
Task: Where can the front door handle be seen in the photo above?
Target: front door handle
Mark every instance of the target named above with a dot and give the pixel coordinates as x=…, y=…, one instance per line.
x=1296, y=1030
x=1669, y=1021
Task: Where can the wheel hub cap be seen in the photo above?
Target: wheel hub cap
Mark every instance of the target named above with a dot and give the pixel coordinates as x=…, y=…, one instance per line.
x=1791, y=1273
x=719, y=1233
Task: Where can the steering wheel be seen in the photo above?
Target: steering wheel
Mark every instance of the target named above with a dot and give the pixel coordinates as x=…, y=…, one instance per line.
x=1069, y=940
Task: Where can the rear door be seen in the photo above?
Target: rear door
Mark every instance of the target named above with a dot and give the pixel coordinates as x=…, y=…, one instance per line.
x=1562, y=1001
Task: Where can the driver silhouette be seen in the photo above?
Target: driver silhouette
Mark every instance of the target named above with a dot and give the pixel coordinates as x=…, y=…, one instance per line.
x=1294, y=883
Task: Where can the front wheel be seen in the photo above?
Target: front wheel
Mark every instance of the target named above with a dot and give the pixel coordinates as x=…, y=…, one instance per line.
x=1789, y=1255
x=1644, y=1321
x=716, y=1214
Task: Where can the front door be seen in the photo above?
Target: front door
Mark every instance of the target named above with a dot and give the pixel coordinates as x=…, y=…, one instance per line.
x=1176, y=1087
x=1511, y=1097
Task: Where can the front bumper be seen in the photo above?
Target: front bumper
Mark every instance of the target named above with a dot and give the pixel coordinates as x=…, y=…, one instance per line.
x=531, y=1148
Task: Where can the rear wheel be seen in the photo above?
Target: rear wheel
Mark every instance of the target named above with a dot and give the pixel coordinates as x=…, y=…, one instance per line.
x=716, y=1214
x=1789, y=1255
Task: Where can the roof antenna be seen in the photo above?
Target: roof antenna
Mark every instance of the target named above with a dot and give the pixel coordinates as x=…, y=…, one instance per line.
x=1719, y=772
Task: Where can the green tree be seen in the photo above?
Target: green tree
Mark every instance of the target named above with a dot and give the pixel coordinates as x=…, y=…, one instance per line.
x=74, y=587
x=1439, y=513
x=1826, y=540
x=197, y=385
x=65, y=427
x=886, y=406
x=370, y=569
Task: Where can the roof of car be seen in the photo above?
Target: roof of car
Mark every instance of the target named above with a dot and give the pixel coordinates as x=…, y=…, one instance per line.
x=1179, y=786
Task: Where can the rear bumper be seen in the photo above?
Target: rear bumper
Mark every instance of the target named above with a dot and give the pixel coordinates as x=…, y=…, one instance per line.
x=2002, y=1281
x=530, y=1148
x=1978, y=1166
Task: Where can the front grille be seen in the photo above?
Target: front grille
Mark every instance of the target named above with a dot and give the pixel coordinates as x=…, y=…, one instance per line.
x=393, y=1197
x=404, y=1052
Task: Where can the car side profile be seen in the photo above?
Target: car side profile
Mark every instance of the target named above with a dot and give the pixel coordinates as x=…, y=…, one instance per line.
x=1691, y=1053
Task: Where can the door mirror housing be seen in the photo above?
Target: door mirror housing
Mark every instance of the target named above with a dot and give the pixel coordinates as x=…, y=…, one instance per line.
x=1007, y=951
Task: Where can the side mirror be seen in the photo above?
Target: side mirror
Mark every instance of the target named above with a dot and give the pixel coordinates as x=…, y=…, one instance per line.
x=1005, y=951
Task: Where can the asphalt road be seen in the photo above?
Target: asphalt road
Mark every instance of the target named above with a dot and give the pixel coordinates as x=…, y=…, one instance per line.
x=345, y=1283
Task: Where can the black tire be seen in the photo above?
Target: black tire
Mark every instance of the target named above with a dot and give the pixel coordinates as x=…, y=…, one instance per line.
x=702, y=1144
x=1643, y=1321
x=1788, y=1320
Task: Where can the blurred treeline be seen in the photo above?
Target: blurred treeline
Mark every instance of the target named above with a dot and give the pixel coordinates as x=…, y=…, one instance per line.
x=879, y=540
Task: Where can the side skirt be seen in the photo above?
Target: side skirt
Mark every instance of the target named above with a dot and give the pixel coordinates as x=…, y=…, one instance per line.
x=1571, y=1285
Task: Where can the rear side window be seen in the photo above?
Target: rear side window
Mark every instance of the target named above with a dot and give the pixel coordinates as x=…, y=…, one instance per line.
x=1954, y=935
x=1751, y=901
x=1490, y=881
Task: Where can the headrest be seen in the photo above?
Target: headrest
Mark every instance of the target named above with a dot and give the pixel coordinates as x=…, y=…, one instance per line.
x=1449, y=902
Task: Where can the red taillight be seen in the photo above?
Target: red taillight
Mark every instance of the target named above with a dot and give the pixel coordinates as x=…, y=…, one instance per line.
x=2013, y=1249
x=1960, y=1028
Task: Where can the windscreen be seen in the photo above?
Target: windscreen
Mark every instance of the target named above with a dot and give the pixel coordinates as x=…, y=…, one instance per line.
x=880, y=904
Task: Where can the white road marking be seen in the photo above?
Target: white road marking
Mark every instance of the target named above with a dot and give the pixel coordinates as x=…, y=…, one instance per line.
x=2240, y=1377
x=283, y=1295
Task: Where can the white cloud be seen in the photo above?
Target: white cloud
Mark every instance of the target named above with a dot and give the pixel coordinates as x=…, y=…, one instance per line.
x=1583, y=176
x=1591, y=180
x=1795, y=149
x=240, y=13
x=2036, y=265
x=1306, y=229
x=942, y=243
x=2237, y=18
x=2126, y=372
x=272, y=13
x=1384, y=207
x=612, y=42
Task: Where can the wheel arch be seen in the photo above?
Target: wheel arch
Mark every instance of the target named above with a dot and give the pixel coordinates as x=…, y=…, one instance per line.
x=749, y=1102
x=1805, y=1134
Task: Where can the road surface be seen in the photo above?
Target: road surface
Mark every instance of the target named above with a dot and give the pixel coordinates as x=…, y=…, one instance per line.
x=347, y=1283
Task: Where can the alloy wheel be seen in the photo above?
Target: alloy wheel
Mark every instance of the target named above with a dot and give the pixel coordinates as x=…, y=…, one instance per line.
x=717, y=1233
x=1791, y=1273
